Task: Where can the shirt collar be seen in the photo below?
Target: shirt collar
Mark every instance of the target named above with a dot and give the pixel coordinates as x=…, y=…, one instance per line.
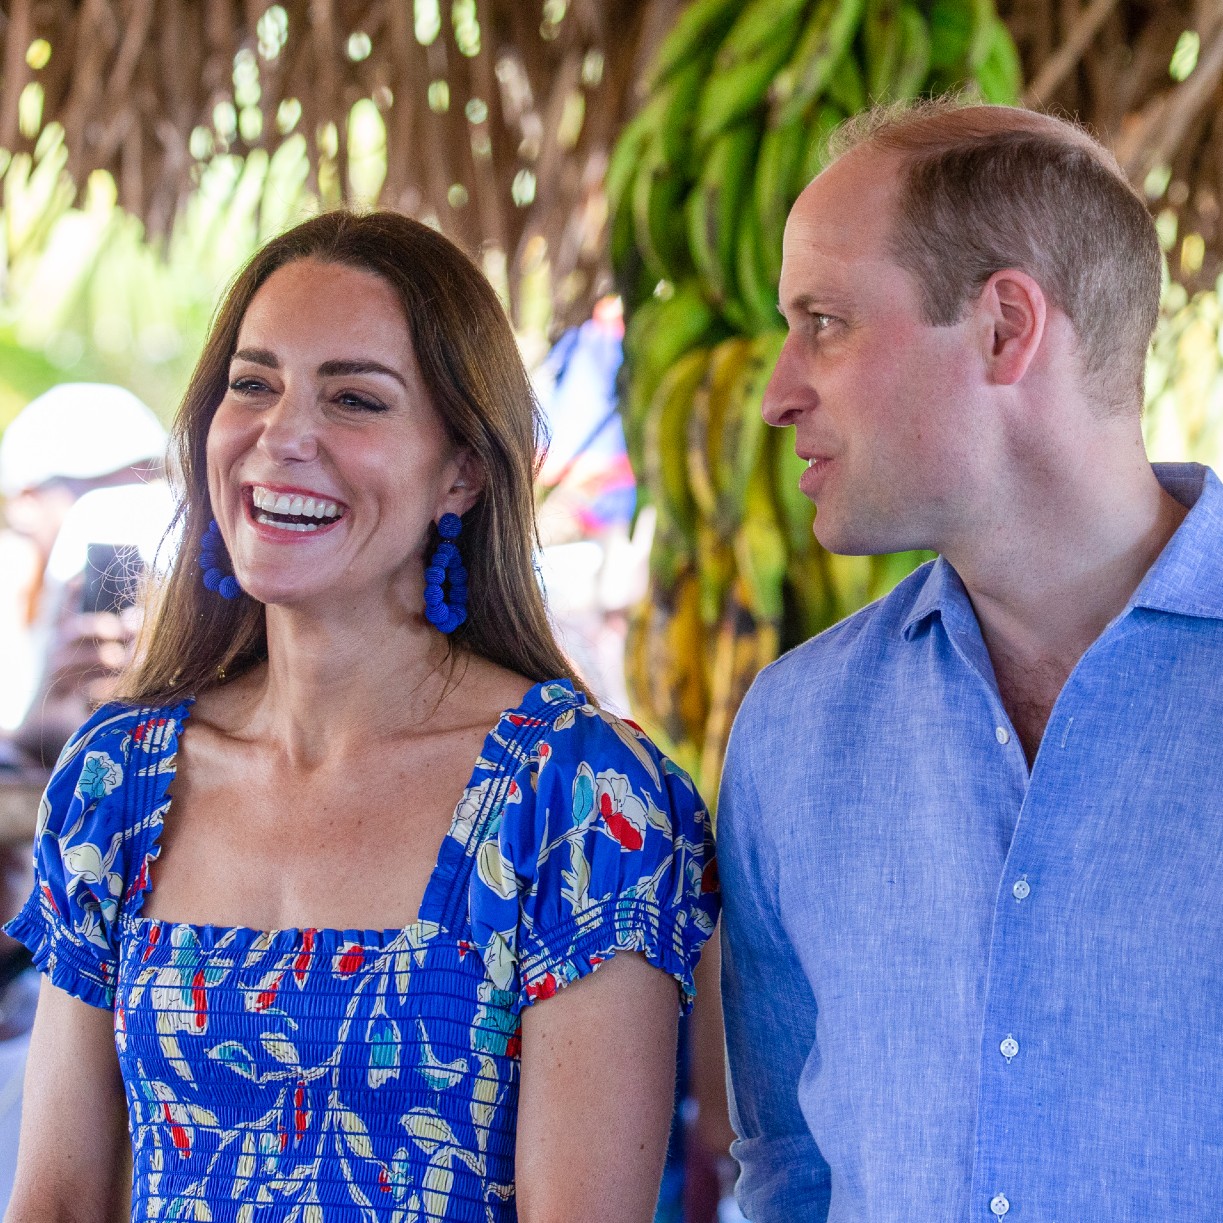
x=1186, y=578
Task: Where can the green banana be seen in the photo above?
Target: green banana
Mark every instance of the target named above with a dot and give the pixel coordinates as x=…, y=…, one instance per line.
x=703, y=24
x=716, y=566
x=825, y=41
x=748, y=59
x=712, y=215
x=744, y=431
x=881, y=39
x=658, y=223
x=815, y=156
x=674, y=129
x=951, y=33
x=847, y=87
x=760, y=545
x=778, y=168
x=1000, y=74
x=657, y=334
x=711, y=404
x=757, y=289
x=913, y=64
x=796, y=512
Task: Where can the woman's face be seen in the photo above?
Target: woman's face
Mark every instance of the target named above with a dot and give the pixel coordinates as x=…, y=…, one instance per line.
x=326, y=459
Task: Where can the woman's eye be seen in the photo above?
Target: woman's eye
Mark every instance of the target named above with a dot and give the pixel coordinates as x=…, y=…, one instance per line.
x=247, y=386
x=362, y=403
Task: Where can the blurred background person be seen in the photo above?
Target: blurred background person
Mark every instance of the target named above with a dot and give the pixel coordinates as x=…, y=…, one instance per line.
x=86, y=506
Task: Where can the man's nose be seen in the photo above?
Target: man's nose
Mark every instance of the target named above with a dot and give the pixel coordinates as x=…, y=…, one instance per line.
x=290, y=427
x=787, y=389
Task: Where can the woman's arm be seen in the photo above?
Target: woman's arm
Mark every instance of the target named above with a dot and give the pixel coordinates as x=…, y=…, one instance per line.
x=70, y=1161
x=594, y=1107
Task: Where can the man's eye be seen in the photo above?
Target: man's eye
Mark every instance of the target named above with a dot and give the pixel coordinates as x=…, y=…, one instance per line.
x=822, y=321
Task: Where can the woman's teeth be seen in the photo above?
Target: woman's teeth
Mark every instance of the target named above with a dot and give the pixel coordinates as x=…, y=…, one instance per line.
x=293, y=511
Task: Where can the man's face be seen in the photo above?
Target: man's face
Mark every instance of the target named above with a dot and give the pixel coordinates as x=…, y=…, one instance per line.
x=879, y=398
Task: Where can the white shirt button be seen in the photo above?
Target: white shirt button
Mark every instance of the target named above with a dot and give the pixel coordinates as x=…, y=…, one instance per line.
x=1002, y=734
x=1009, y=1048
x=1021, y=890
x=999, y=1205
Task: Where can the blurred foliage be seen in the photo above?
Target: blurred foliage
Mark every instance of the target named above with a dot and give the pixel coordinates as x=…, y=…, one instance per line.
x=83, y=295
x=1184, y=384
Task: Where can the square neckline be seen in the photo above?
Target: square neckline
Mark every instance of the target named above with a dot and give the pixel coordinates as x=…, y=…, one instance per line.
x=439, y=886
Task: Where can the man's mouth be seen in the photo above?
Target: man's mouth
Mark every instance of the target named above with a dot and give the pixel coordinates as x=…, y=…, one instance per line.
x=293, y=511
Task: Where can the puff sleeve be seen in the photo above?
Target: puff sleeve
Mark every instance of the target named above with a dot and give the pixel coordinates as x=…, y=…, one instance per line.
x=602, y=845
x=82, y=856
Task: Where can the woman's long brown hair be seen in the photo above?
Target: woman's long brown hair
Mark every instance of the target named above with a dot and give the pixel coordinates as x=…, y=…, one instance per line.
x=478, y=386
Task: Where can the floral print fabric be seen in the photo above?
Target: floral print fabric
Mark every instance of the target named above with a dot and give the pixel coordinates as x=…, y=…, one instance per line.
x=334, y=1075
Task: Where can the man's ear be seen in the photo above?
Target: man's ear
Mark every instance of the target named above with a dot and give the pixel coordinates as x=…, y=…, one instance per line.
x=467, y=485
x=1013, y=311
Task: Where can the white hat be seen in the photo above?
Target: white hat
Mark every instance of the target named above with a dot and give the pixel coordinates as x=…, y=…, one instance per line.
x=78, y=431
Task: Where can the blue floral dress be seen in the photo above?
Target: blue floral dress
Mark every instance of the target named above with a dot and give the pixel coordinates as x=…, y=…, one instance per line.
x=320, y=1076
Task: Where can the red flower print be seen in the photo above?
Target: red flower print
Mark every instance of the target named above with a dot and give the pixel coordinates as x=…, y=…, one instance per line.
x=384, y=1181
x=709, y=876
x=302, y=964
x=620, y=828
x=46, y=891
x=630, y=722
x=301, y=1115
x=351, y=960
x=267, y=999
x=513, y=1046
x=178, y=1135
x=545, y=989
x=140, y=882
x=154, y=938
x=145, y=729
x=199, y=998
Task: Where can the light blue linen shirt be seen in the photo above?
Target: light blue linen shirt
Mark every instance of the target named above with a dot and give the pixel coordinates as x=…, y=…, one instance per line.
x=958, y=990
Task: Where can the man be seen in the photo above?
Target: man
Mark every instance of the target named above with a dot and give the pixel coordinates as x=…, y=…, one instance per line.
x=971, y=838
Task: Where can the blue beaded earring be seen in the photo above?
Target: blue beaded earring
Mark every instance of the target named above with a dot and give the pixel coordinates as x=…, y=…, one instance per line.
x=446, y=566
x=212, y=558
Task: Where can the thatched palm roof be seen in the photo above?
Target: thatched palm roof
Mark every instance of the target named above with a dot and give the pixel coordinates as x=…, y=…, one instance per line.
x=499, y=114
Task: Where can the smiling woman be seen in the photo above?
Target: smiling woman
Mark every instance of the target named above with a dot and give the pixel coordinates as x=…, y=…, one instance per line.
x=323, y=898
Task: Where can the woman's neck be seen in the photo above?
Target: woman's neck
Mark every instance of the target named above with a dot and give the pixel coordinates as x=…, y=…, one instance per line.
x=332, y=683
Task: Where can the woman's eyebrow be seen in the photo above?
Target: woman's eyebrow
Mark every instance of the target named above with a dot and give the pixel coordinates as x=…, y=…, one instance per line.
x=331, y=369
x=328, y=369
x=257, y=356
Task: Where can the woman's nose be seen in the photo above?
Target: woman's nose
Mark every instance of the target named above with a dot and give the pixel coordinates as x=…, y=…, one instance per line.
x=290, y=428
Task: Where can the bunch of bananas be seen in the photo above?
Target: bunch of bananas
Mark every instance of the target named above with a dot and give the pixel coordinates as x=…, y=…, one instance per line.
x=739, y=104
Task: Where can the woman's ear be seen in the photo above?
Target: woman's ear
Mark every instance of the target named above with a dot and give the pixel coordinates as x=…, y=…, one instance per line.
x=467, y=485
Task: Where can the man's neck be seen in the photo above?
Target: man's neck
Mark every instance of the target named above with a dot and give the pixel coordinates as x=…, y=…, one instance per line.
x=1058, y=576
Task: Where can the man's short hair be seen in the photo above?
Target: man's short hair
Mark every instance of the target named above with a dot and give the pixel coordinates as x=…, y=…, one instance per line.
x=991, y=187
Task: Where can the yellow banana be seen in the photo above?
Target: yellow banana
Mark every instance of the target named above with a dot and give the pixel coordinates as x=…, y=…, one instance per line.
x=711, y=405
x=666, y=428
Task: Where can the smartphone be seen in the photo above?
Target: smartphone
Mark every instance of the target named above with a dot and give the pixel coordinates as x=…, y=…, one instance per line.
x=112, y=577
